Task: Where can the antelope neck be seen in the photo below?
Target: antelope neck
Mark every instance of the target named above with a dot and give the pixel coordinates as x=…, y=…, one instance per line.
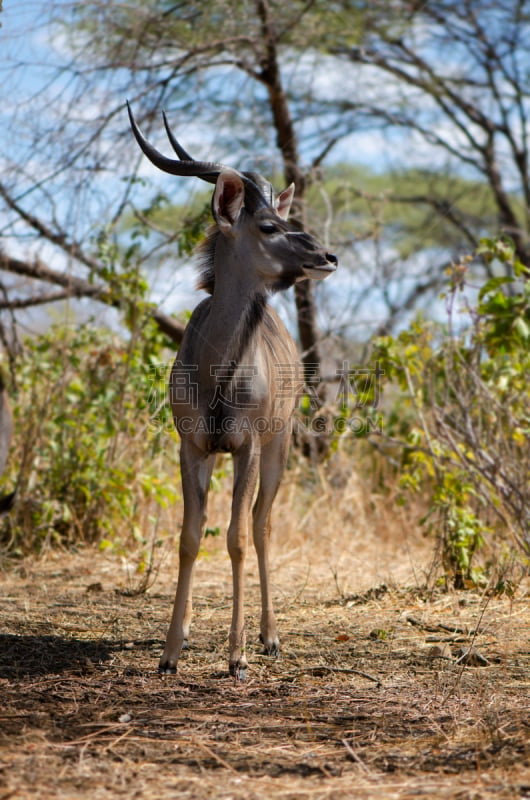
x=236, y=312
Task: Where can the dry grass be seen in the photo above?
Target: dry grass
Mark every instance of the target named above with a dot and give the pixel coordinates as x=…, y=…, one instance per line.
x=358, y=706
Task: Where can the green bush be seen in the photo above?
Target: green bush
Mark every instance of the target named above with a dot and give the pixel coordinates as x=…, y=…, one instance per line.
x=465, y=397
x=93, y=451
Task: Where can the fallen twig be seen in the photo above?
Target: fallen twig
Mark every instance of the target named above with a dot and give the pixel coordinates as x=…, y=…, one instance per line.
x=347, y=670
x=438, y=627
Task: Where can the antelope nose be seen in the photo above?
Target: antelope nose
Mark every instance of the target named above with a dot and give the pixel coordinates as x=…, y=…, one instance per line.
x=332, y=259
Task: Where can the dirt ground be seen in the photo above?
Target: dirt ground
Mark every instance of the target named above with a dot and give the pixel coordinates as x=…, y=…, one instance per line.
x=371, y=698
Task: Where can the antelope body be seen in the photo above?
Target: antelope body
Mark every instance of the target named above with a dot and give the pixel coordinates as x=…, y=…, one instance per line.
x=234, y=383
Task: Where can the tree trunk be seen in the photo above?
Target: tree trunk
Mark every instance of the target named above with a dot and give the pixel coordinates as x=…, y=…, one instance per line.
x=314, y=441
x=287, y=144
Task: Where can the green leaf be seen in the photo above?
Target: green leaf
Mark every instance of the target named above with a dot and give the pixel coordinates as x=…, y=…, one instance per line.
x=522, y=328
x=494, y=283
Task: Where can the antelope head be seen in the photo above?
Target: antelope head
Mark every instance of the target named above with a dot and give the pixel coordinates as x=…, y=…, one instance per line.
x=250, y=215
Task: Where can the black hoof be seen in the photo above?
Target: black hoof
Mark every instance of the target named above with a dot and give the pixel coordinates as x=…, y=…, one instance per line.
x=166, y=669
x=185, y=645
x=270, y=650
x=239, y=672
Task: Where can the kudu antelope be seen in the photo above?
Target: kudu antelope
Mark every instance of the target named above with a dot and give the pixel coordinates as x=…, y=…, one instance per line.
x=233, y=384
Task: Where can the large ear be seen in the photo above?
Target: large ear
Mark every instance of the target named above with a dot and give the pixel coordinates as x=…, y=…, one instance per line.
x=228, y=199
x=283, y=201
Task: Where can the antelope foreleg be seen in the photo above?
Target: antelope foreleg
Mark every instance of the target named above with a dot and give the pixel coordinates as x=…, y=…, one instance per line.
x=196, y=470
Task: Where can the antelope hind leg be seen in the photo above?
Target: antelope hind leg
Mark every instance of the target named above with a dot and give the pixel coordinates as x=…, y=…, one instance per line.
x=246, y=463
x=272, y=465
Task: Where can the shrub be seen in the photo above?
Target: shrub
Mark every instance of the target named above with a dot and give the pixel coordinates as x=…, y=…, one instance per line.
x=91, y=455
x=466, y=398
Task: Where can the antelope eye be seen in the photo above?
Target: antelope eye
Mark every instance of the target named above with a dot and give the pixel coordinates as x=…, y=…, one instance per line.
x=268, y=227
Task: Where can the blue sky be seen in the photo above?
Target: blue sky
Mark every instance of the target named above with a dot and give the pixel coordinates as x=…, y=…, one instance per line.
x=24, y=39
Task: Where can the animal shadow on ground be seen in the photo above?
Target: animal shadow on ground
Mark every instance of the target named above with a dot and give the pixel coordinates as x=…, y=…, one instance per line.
x=40, y=655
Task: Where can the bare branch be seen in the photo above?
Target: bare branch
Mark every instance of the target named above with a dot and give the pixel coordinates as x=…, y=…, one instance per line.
x=35, y=300
x=78, y=287
x=58, y=238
